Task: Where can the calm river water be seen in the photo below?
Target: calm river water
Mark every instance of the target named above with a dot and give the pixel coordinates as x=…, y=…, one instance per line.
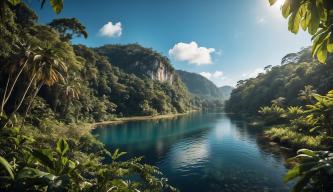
x=202, y=152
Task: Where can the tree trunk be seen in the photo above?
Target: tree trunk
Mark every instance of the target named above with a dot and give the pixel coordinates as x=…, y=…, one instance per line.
x=31, y=102
x=22, y=99
x=4, y=95
x=7, y=96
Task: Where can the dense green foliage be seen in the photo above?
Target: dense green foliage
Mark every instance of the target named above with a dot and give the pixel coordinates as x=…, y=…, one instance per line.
x=131, y=94
x=297, y=126
x=39, y=159
x=313, y=170
x=294, y=100
x=69, y=28
x=49, y=88
x=134, y=59
x=206, y=94
x=199, y=85
x=287, y=80
x=202, y=87
x=316, y=17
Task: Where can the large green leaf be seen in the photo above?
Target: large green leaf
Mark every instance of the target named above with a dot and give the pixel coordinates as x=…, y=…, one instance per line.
x=292, y=173
x=14, y=2
x=272, y=2
x=293, y=24
x=322, y=53
x=62, y=146
x=286, y=9
x=30, y=177
x=307, y=152
x=315, y=18
x=57, y=5
x=330, y=44
x=45, y=157
x=7, y=167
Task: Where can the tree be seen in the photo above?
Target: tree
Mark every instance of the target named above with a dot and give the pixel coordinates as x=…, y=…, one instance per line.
x=315, y=16
x=322, y=112
x=68, y=28
x=51, y=69
x=278, y=101
x=14, y=71
x=9, y=33
x=56, y=5
x=307, y=93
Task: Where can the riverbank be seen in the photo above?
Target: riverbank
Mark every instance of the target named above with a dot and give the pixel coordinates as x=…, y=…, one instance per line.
x=138, y=118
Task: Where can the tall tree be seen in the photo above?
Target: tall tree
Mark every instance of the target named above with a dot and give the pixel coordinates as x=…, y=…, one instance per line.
x=68, y=28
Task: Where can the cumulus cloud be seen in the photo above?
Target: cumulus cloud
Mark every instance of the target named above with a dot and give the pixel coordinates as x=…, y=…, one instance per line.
x=218, y=78
x=214, y=75
x=192, y=53
x=111, y=30
x=253, y=73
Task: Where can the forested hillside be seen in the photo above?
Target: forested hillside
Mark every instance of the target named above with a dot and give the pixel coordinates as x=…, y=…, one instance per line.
x=134, y=92
x=202, y=87
x=282, y=83
x=50, y=89
x=126, y=80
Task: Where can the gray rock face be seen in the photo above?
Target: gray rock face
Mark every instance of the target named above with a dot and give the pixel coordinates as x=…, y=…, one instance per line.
x=140, y=61
x=161, y=73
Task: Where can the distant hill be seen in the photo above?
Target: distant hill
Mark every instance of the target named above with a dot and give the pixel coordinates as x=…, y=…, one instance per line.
x=225, y=91
x=202, y=87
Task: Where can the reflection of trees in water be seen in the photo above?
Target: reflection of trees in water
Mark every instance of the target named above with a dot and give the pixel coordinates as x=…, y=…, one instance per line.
x=153, y=136
x=267, y=148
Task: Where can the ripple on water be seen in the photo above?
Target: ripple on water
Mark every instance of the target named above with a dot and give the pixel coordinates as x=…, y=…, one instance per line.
x=203, y=152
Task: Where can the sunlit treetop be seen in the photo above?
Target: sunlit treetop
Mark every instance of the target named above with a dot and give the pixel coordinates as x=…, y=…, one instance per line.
x=314, y=16
x=56, y=5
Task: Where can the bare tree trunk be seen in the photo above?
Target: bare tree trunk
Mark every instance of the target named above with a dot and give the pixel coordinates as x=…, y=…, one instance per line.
x=4, y=95
x=22, y=99
x=7, y=96
x=31, y=102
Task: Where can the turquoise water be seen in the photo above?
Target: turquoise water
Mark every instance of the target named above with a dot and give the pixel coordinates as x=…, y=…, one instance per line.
x=202, y=152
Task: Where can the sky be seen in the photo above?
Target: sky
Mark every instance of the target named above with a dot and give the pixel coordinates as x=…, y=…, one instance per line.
x=223, y=40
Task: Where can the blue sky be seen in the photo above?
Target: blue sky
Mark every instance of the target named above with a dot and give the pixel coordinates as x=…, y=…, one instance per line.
x=224, y=40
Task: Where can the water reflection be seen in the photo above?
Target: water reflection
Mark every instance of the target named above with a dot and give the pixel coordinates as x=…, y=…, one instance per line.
x=202, y=152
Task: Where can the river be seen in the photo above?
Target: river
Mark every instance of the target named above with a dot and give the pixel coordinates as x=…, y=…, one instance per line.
x=202, y=152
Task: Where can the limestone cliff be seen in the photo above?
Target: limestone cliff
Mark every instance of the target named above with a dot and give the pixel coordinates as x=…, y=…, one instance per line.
x=142, y=62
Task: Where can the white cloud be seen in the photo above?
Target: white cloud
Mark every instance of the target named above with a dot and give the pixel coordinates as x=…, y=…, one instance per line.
x=218, y=78
x=111, y=30
x=253, y=73
x=214, y=75
x=206, y=74
x=192, y=53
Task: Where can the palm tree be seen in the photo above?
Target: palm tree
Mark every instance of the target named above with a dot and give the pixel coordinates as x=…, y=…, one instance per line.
x=278, y=101
x=322, y=112
x=307, y=93
x=15, y=71
x=51, y=69
x=48, y=68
